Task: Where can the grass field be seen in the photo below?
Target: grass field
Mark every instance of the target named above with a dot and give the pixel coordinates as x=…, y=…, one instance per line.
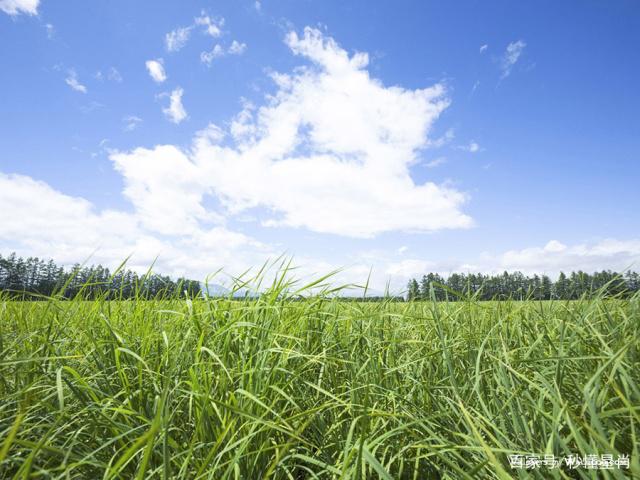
x=319, y=388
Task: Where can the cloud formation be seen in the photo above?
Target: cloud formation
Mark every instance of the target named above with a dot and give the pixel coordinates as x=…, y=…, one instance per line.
x=237, y=48
x=156, y=70
x=175, y=112
x=74, y=83
x=16, y=7
x=208, y=57
x=212, y=26
x=44, y=222
x=41, y=221
x=218, y=51
x=331, y=149
x=176, y=39
x=511, y=56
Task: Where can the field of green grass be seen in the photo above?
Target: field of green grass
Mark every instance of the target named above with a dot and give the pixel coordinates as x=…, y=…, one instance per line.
x=315, y=388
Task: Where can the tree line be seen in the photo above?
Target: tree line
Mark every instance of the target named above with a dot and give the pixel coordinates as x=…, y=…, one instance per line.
x=516, y=285
x=33, y=277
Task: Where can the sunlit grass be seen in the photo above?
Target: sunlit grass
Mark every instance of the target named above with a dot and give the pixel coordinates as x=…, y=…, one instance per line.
x=316, y=388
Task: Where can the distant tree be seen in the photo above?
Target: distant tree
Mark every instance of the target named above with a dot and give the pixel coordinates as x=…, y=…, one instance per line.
x=413, y=290
x=36, y=276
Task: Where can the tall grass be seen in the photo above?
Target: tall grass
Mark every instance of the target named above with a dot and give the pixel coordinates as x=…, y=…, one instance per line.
x=274, y=387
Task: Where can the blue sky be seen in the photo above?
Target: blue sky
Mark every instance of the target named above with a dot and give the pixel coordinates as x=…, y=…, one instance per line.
x=399, y=136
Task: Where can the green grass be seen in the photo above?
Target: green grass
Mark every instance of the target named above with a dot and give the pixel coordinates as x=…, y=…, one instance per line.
x=318, y=388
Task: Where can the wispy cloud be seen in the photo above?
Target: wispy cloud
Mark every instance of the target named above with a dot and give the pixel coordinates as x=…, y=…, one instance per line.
x=113, y=75
x=472, y=147
x=483, y=48
x=237, y=48
x=212, y=26
x=74, y=83
x=436, y=162
x=511, y=56
x=131, y=122
x=176, y=39
x=208, y=57
x=218, y=51
x=51, y=30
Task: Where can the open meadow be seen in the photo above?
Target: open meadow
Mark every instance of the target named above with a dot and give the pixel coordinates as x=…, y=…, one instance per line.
x=277, y=387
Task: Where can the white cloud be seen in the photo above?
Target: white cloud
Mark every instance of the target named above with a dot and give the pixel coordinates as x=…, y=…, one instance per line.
x=175, y=112
x=72, y=81
x=331, y=151
x=44, y=222
x=555, y=256
x=483, y=48
x=16, y=7
x=176, y=39
x=257, y=5
x=550, y=259
x=213, y=27
x=208, y=57
x=165, y=188
x=237, y=48
x=131, y=122
x=511, y=56
x=408, y=268
x=156, y=70
x=169, y=222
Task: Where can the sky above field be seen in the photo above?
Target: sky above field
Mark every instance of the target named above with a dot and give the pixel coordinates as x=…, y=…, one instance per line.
x=394, y=137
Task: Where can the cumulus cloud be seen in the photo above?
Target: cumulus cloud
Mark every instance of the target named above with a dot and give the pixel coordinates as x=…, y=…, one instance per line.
x=156, y=70
x=165, y=187
x=330, y=151
x=511, y=56
x=175, y=112
x=44, y=222
x=16, y=7
x=176, y=39
x=74, y=83
x=166, y=224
